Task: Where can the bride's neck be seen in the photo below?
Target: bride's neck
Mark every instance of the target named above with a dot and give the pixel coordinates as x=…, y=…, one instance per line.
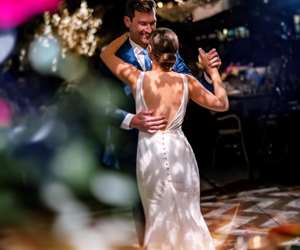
x=156, y=67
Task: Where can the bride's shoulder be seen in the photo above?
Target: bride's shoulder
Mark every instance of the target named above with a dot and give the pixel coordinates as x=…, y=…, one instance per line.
x=175, y=74
x=163, y=76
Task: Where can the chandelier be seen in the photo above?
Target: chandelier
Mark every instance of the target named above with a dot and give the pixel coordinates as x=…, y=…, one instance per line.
x=76, y=31
x=197, y=2
x=181, y=10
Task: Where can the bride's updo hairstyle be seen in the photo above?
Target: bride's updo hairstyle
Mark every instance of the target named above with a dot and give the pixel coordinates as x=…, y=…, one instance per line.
x=164, y=46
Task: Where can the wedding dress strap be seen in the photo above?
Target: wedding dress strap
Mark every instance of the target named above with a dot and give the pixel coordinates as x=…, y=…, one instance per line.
x=185, y=88
x=139, y=84
x=138, y=93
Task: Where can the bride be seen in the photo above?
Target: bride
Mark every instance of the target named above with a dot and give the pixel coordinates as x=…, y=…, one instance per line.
x=167, y=172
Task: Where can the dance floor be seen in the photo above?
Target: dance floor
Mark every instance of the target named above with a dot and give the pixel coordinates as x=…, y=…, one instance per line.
x=238, y=218
x=245, y=218
x=235, y=220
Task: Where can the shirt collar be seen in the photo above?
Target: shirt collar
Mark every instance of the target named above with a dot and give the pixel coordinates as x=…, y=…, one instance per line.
x=136, y=48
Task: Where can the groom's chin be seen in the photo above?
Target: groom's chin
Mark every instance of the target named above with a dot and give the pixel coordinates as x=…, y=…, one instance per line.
x=145, y=42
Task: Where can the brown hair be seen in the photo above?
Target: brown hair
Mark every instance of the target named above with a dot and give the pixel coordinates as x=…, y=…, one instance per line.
x=164, y=44
x=145, y=6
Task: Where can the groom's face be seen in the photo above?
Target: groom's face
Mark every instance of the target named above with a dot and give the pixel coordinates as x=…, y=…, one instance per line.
x=140, y=26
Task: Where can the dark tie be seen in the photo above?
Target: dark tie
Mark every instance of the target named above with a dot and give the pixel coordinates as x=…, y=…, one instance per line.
x=148, y=65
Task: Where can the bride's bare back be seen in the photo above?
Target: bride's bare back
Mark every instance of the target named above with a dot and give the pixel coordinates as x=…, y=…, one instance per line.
x=163, y=93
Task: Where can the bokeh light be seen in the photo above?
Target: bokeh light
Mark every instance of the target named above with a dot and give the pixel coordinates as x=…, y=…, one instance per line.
x=15, y=12
x=6, y=113
x=71, y=67
x=44, y=54
x=114, y=189
x=75, y=164
x=7, y=41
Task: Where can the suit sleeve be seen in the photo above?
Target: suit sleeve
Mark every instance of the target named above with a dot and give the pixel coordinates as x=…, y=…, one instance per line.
x=180, y=66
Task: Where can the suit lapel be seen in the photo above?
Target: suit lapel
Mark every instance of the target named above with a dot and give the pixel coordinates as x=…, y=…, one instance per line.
x=126, y=53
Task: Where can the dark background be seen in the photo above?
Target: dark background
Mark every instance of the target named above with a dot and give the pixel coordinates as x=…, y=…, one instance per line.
x=270, y=122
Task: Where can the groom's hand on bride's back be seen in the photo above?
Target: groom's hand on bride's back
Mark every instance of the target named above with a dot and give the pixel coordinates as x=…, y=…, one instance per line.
x=145, y=121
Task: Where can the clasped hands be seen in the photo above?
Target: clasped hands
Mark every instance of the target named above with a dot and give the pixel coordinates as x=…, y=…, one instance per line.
x=209, y=62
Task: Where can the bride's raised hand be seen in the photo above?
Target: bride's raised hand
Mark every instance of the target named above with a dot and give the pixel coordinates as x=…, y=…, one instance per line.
x=205, y=63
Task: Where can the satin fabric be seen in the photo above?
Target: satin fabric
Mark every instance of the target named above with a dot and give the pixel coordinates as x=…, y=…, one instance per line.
x=169, y=184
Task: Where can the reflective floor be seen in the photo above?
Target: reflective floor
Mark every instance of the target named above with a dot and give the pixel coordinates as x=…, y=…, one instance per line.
x=238, y=218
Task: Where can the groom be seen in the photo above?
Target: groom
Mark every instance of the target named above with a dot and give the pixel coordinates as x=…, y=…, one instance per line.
x=140, y=19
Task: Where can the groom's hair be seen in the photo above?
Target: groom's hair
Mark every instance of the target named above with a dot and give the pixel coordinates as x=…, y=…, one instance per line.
x=144, y=6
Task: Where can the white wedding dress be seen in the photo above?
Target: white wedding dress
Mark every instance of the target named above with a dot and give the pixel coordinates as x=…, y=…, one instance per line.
x=169, y=185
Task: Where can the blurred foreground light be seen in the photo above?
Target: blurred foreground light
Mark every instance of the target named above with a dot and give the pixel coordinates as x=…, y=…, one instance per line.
x=47, y=129
x=72, y=67
x=6, y=113
x=75, y=164
x=11, y=212
x=259, y=242
x=3, y=139
x=117, y=231
x=160, y=4
x=240, y=244
x=44, y=54
x=16, y=12
x=87, y=238
x=53, y=132
x=95, y=92
x=7, y=41
x=17, y=134
x=73, y=221
x=55, y=195
x=114, y=189
x=99, y=234
x=72, y=214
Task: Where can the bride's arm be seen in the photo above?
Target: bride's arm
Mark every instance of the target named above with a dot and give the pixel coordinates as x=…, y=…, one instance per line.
x=199, y=94
x=217, y=101
x=126, y=72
